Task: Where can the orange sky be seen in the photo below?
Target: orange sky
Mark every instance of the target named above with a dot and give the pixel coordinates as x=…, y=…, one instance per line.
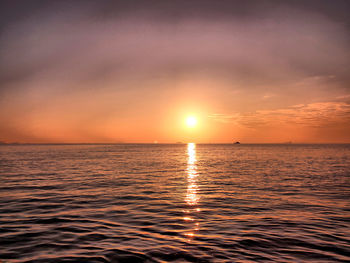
x=267, y=75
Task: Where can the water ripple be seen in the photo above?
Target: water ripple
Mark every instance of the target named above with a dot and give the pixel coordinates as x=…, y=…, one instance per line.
x=175, y=203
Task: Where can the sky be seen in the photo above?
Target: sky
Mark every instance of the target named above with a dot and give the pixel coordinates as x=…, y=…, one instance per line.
x=133, y=71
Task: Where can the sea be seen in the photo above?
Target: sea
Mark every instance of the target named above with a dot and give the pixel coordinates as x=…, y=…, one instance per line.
x=175, y=203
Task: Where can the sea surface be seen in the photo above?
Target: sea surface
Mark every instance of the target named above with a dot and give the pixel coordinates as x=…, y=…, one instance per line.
x=175, y=203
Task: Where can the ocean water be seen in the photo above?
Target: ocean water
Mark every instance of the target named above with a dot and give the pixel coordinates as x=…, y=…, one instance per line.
x=174, y=203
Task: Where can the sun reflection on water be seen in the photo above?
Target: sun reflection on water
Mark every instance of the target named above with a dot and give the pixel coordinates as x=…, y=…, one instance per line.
x=192, y=197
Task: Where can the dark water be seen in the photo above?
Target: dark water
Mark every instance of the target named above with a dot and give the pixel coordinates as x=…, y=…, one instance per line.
x=175, y=203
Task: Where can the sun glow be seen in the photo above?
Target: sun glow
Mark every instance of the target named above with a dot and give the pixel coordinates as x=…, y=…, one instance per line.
x=191, y=121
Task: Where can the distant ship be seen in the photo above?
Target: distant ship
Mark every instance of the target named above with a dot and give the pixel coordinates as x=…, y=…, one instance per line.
x=236, y=143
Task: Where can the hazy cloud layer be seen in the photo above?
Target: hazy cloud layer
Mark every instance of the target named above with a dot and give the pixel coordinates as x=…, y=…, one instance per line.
x=312, y=115
x=60, y=55
x=327, y=121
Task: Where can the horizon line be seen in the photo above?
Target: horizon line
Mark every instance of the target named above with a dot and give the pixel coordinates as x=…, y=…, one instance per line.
x=169, y=143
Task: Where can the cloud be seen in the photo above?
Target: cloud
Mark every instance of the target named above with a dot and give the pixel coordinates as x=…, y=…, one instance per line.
x=268, y=96
x=78, y=46
x=314, y=115
x=223, y=117
x=343, y=97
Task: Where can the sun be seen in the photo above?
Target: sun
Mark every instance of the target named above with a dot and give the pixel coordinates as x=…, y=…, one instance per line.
x=191, y=121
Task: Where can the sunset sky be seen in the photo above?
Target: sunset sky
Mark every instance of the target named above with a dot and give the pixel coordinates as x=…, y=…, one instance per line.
x=134, y=71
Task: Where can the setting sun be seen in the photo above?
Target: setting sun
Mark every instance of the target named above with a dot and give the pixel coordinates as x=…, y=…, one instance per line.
x=191, y=121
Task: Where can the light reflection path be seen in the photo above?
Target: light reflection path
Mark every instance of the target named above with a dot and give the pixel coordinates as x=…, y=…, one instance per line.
x=192, y=197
